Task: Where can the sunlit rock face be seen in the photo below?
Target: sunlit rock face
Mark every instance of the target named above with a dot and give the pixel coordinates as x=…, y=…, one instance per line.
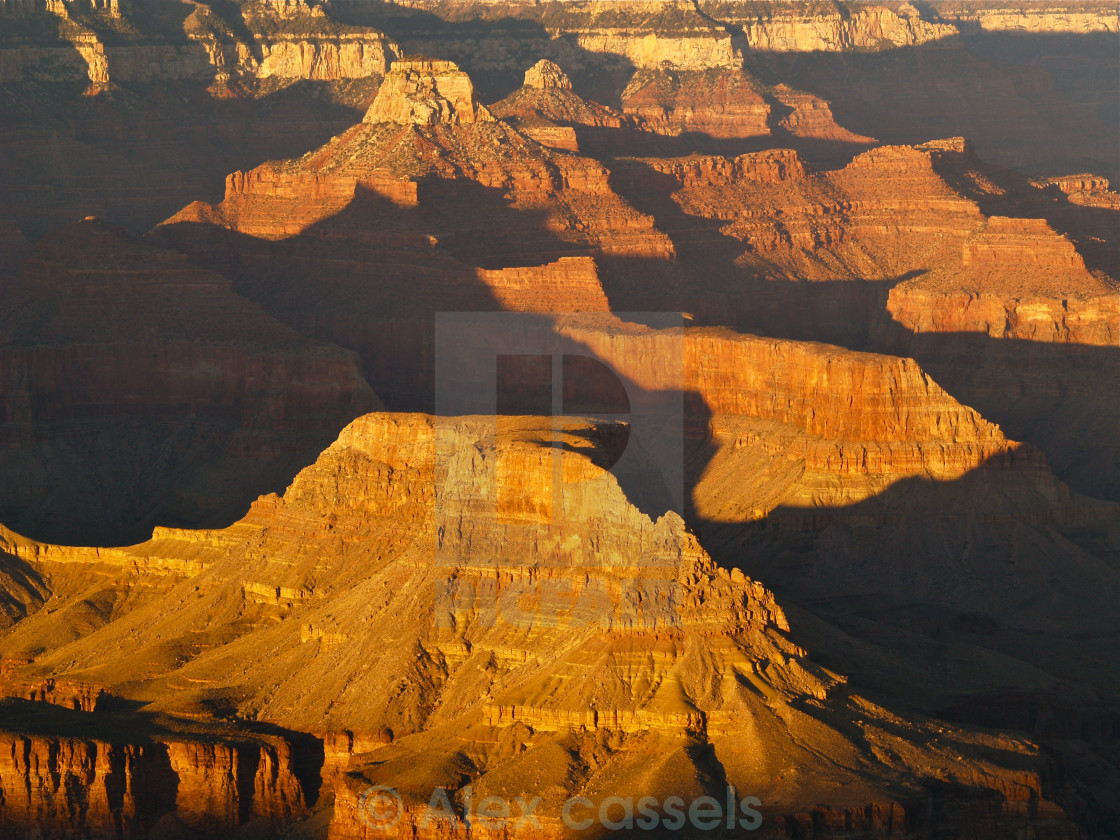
x=867, y=569
x=545, y=74
x=461, y=583
x=424, y=91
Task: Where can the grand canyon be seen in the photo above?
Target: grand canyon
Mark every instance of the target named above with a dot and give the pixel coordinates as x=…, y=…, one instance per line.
x=507, y=420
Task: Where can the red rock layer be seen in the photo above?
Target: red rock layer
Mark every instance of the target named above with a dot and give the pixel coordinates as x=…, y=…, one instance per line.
x=59, y=786
x=718, y=103
x=811, y=116
x=571, y=284
x=397, y=163
x=890, y=214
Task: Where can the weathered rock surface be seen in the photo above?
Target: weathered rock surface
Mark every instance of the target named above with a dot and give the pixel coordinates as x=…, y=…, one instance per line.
x=447, y=599
x=623, y=648
x=713, y=102
x=237, y=44
x=1080, y=18
x=1017, y=278
x=66, y=786
x=426, y=92
x=545, y=74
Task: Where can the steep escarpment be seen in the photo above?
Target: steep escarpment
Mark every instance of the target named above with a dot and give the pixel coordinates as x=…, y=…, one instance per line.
x=1017, y=278
x=898, y=251
x=64, y=785
x=842, y=428
x=915, y=250
x=1057, y=17
x=185, y=396
x=226, y=47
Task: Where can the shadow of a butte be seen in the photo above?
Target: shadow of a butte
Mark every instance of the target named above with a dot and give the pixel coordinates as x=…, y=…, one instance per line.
x=1034, y=101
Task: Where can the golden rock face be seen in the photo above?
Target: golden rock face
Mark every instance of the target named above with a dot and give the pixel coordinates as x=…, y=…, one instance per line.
x=464, y=585
x=422, y=91
x=840, y=535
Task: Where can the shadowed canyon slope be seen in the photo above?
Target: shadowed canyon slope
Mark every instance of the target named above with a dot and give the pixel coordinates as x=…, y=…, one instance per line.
x=122, y=366
x=671, y=398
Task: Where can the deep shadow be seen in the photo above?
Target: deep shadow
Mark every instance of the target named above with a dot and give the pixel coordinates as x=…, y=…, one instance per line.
x=387, y=271
x=1063, y=398
x=138, y=153
x=160, y=397
x=1037, y=102
x=1095, y=231
x=391, y=266
x=926, y=597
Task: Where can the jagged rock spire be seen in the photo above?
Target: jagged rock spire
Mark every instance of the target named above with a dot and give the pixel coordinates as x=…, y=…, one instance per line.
x=545, y=74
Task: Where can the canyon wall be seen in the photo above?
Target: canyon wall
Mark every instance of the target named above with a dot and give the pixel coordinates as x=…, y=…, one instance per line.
x=60, y=787
x=207, y=48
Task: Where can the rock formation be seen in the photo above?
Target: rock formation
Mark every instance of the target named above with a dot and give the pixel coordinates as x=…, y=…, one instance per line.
x=255, y=42
x=1016, y=278
x=545, y=74
x=546, y=109
x=426, y=92
x=100, y=789
x=712, y=102
x=626, y=647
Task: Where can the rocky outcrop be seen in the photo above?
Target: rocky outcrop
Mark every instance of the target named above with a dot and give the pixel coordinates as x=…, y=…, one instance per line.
x=1093, y=320
x=70, y=694
x=422, y=91
x=1085, y=189
x=545, y=74
x=1016, y=278
x=713, y=102
x=811, y=117
x=62, y=786
x=571, y=284
x=345, y=56
x=546, y=109
x=480, y=177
